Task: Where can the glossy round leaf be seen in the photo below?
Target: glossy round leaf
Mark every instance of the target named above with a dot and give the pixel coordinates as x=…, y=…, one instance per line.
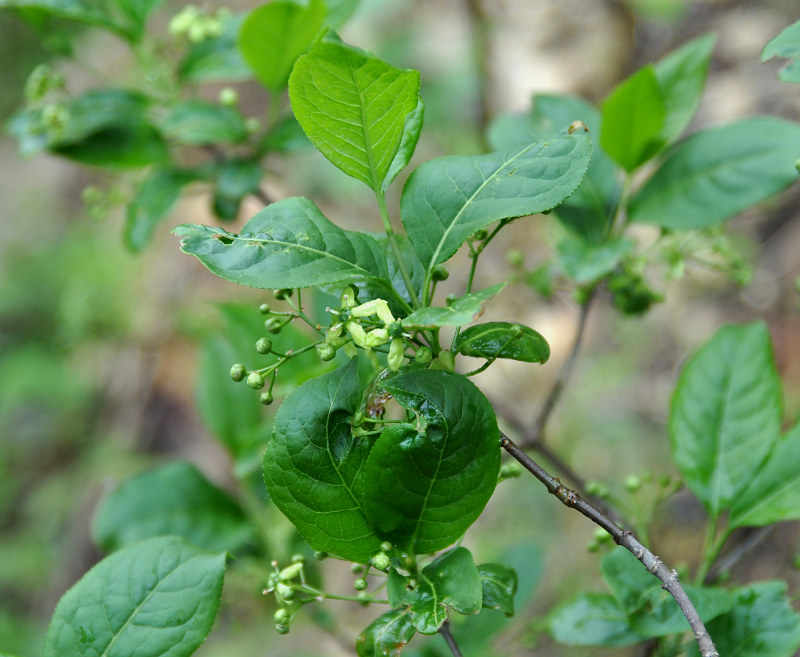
x=503, y=340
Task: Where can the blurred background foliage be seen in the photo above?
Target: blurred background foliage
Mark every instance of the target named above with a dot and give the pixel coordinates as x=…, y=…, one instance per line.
x=104, y=354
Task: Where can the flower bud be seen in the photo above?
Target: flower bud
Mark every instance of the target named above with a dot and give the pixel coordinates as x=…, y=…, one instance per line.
x=396, y=353
x=255, y=380
x=360, y=584
x=238, y=372
x=283, y=293
x=264, y=309
x=282, y=629
x=439, y=273
x=381, y=561
x=326, y=351
x=282, y=617
x=266, y=398
x=263, y=345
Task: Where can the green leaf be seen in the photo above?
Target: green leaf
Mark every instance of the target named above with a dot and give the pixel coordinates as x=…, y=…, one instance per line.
x=681, y=76
x=132, y=15
x=108, y=127
x=286, y=136
x=499, y=584
x=651, y=611
x=274, y=35
x=371, y=289
x=235, y=179
x=773, y=494
x=447, y=199
x=314, y=465
x=586, y=261
x=762, y=623
x=460, y=311
x=503, y=340
x=155, y=197
x=156, y=598
x=426, y=483
x=715, y=174
x=339, y=11
x=726, y=414
x=634, y=114
x=198, y=123
x=175, y=499
x=588, y=210
x=217, y=59
x=786, y=44
x=592, y=619
x=360, y=112
x=289, y=244
x=387, y=635
x=450, y=580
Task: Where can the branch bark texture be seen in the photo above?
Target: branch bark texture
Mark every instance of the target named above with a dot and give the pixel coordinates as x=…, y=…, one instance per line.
x=668, y=578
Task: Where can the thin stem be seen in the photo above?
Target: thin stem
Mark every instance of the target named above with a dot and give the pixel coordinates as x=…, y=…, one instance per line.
x=537, y=435
x=654, y=565
x=298, y=312
x=444, y=630
x=620, y=218
x=480, y=48
x=398, y=256
x=711, y=550
x=738, y=553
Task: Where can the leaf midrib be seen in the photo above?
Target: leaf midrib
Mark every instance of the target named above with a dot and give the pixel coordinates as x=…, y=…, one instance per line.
x=367, y=141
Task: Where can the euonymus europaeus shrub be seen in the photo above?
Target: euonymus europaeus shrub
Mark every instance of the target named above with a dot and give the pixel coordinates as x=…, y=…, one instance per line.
x=383, y=452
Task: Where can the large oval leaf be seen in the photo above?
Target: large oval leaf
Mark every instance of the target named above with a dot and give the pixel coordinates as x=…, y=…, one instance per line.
x=503, y=340
x=357, y=110
x=714, y=174
x=426, y=483
x=726, y=414
x=447, y=199
x=313, y=465
x=288, y=244
x=175, y=499
x=152, y=599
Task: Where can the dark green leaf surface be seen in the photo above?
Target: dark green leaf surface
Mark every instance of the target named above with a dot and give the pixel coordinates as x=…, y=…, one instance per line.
x=198, y=123
x=726, y=414
x=235, y=179
x=155, y=598
x=633, y=119
x=153, y=201
x=592, y=619
x=786, y=44
x=217, y=59
x=586, y=261
x=773, y=495
x=175, y=499
x=503, y=340
x=587, y=211
x=289, y=244
x=313, y=466
x=357, y=110
x=387, y=635
x=762, y=623
x=411, y=129
x=499, y=583
x=681, y=76
x=372, y=289
x=463, y=310
x=447, y=199
x=426, y=483
x=274, y=35
x=715, y=174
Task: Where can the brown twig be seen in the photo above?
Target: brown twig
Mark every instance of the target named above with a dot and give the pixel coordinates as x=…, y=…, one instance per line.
x=537, y=434
x=480, y=48
x=444, y=630
x=654, y=565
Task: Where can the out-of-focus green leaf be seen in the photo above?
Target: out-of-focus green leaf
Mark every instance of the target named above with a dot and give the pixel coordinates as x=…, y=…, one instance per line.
x=717, y=173
x=726, y=414
x=158, y=597
x=198, y=122
x=592, y=619
x=217, y=59
x=275, y=34
x=235, y=179
x=786, y=44
x=586, y=261
x=339, y=11
x=177, y=500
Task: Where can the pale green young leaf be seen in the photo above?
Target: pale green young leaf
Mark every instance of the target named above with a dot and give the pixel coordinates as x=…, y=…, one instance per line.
x=426, y=483
x=761, y=623
x=592, y=619
x=633, y=119
x=448, y=199
x=717, y=173
x=361, y=113
x=503, y=340
x=726, y=414
x=773, y=494
x=314, y=465
x=682, y=77
x=289, y=244
x=158, y=597
x=198, y=123
x=274, y=35
x=588, y=210
x=462, y=310
x=786, y=44
x=387, y=635
x=155, y=197
x=177, y=500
